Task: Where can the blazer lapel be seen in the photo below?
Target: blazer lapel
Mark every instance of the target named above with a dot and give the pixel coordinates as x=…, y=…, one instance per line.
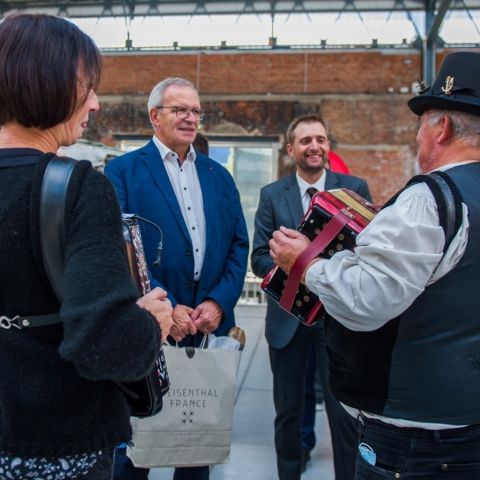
x=331, y=181
x=154, y=163
x=293, y=200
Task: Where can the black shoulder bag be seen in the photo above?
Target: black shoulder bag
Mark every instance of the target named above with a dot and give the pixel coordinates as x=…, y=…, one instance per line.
x=144, y=396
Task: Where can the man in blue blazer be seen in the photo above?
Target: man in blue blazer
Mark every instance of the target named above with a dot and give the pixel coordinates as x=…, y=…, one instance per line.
x=284, y=202
x=196, y=204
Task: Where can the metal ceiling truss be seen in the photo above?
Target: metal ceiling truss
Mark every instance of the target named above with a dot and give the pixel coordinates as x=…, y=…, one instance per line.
x=434, y=10
x=139, y=8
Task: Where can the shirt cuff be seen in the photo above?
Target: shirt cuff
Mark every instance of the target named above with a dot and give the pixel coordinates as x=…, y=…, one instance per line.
x=312, y=273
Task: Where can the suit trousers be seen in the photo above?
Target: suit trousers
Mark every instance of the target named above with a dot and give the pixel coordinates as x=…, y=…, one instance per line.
x=392, y=452
x=288, y=367
x=313, y=395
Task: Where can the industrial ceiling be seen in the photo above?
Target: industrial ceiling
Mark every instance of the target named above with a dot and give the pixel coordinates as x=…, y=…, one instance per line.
x=434, y=11
x=111, y=8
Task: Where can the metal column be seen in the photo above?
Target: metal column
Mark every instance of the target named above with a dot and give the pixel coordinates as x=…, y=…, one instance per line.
x=432, y=27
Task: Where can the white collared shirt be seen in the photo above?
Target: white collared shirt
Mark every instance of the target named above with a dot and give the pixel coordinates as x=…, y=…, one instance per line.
x=304, y=186
x=186, y=185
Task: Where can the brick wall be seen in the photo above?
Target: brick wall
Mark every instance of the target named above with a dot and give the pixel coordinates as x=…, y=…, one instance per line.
x=361, y=94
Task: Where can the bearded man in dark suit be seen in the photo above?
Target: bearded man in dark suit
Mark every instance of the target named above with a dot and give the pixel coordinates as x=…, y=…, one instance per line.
x=283, y=203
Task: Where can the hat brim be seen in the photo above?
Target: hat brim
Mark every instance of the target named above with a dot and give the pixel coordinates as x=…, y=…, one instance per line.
x=422, y=103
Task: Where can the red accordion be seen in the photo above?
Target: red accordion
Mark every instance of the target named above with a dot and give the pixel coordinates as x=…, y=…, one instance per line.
x=332, y=222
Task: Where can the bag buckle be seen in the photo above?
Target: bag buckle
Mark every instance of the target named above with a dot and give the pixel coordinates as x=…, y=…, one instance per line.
x=7, y=323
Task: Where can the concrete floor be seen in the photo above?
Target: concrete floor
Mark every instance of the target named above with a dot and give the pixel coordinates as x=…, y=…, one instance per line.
x=252, y=456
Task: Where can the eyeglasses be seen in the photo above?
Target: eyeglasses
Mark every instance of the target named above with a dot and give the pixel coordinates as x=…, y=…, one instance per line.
x=184, y=112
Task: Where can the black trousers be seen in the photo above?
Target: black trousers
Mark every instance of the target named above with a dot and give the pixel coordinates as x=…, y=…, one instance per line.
x=288, y=367
x=417, y=454
x=313, y=395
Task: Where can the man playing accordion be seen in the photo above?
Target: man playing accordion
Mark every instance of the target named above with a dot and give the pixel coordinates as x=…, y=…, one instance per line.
x=402, y=332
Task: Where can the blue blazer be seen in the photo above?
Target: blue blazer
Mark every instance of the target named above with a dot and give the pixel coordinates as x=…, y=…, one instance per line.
x=143, y=188
x=280, y=204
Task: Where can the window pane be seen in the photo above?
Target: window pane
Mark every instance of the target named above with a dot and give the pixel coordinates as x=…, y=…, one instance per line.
x=252, y=167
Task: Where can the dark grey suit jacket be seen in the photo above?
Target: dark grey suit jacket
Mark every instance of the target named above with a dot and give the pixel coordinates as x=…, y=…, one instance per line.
x=280, y=204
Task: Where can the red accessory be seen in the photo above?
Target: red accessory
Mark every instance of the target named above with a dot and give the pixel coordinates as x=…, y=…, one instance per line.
x=337, y=164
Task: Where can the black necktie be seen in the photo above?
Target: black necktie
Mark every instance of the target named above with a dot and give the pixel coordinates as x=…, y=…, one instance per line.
x=311, y=191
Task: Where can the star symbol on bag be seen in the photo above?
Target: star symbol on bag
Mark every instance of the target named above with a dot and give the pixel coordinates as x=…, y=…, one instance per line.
x=187, y=417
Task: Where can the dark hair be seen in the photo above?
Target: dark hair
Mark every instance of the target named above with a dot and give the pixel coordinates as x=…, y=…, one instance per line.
x=43, y=62
x=307, y=118
x=200, y=143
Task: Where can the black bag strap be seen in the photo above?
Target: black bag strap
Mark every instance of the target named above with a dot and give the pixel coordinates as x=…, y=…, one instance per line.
x=453, y=203
x=53, y=196
x=52, y=219
x=448, y=199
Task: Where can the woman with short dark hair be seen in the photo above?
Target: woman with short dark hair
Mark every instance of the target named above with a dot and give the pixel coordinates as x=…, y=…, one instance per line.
x=61, y=412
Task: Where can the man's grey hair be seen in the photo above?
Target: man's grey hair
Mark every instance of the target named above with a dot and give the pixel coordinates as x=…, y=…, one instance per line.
x=158, y=92
x=466, y=126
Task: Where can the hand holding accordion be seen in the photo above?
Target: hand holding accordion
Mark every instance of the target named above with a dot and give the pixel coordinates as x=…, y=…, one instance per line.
x=332, y=222
x=157, y=303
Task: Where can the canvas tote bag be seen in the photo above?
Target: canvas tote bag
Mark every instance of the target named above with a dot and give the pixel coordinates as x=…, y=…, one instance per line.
x=195, y=425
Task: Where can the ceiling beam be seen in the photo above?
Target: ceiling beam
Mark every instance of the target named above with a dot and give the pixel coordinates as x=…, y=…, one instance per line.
x=432, y=34
x=143, y=8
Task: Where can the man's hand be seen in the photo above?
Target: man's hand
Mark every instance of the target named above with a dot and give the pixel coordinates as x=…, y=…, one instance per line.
x=207, y=316
x=285, y=246
x=157, y=303
x=182, y=323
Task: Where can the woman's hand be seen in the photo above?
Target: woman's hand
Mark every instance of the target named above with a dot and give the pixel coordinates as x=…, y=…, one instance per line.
x=182, y=322
x=157, y=303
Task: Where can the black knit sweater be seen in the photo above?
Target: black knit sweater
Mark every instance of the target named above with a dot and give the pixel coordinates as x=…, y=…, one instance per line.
x=57, y=396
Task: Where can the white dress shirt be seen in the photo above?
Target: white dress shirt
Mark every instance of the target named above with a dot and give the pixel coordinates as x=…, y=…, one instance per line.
x=396, y=257
x=304, y=186
x=186, y=185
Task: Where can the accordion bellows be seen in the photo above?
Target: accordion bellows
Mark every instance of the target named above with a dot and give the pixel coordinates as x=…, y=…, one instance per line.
x=144, y=396
x=332, y=222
